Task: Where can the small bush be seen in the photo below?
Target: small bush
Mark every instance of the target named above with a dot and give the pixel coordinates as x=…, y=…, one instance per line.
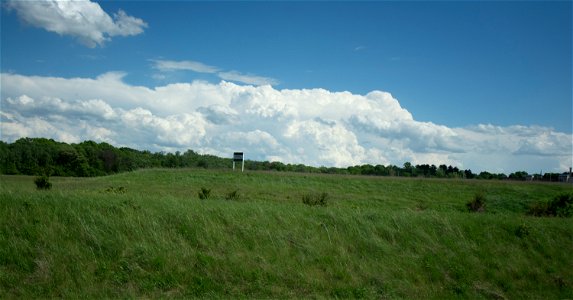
x=560, y=206
x=320, y=199
x=43, y=183
x=234, y=195
x=538, y=209
x=477, y=204
x=204, y=193
x=522, y=230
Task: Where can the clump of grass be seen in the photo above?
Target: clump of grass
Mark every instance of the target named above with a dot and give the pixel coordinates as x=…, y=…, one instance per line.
x=349, y=292
x=43, y=182
x=522, y=230
x=560, y=206
x=234, y=195
x=477, y=204
x=116, y=190
x=315, y=199
x=421, y=205
x=204, y=193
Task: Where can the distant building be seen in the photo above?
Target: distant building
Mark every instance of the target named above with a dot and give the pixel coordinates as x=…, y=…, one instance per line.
x=566, y=177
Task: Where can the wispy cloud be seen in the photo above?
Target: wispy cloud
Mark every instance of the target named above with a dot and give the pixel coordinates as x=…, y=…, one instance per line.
x=247, y=78
x=158, y=76
x=91, y=56
x=195, y=66
x=359, y=48
x=188, y=65
x=315, y=127
x=82, y=19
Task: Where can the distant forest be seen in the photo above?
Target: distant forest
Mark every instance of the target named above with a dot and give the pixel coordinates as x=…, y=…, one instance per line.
x=40, y=156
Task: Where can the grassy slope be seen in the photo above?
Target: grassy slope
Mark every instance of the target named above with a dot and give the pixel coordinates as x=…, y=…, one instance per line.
x=377, y=238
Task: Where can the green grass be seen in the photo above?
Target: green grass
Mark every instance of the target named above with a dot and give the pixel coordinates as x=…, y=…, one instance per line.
x=376, y=238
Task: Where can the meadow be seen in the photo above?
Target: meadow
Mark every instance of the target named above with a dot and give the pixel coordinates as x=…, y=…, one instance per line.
x=148, y=234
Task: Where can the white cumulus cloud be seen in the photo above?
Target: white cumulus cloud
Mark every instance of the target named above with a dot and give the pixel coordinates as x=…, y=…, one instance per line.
x=82, y=19
x=310, y=126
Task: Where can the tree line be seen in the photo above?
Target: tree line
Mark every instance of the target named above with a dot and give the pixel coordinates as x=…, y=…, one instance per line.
x=40, y=156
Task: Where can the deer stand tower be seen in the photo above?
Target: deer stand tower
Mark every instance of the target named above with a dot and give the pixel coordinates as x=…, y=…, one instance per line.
x=238, y=157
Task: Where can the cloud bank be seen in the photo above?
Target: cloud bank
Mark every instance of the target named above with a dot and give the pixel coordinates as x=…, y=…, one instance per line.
x=311, y=126
x=82, y=19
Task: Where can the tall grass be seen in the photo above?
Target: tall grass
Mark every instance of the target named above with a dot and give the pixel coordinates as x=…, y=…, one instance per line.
x=158, y=239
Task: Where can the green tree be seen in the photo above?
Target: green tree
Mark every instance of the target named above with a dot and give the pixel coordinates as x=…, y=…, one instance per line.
x=520, y=175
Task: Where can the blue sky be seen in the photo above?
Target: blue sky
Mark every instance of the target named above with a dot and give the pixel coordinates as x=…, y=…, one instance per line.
x=459, y=72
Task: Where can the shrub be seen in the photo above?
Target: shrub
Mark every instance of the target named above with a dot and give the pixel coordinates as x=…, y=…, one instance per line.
x=43, y=183
x=477, y=204
x=204, y=193
x=522, y=230
x=320, y=199
x=234, y=195
x=538, y=209
x=562, y=205
x=559, y=206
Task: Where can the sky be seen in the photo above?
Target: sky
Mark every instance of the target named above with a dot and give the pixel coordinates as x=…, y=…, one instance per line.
x=480, y=85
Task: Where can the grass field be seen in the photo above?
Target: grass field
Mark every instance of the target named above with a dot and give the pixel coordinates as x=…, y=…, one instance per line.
x=147, y=234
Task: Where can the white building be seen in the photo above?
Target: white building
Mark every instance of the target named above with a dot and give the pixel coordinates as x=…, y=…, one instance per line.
x=566, y=177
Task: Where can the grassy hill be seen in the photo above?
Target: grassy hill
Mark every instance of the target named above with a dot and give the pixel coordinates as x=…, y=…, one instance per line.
x=147, y=234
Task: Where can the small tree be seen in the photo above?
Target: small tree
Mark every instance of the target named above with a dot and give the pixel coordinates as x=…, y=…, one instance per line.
x=204, y=193
x=43, y=182
x=477, y=204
